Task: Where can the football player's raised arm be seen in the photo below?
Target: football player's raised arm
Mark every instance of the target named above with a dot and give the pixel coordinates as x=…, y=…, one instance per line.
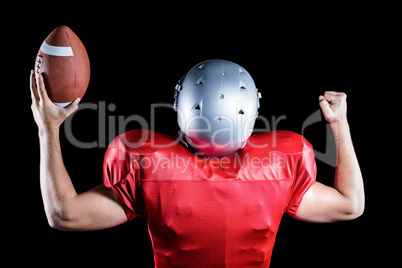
x=345, y=200
x=65, y=209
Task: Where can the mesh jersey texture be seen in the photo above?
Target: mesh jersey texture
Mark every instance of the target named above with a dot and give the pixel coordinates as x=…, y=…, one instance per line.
x=219, y=212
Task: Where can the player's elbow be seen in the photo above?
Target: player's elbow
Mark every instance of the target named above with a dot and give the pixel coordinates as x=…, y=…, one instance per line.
x=62, y=220
x=354, y=209
x=358, y=210
x=56, y=223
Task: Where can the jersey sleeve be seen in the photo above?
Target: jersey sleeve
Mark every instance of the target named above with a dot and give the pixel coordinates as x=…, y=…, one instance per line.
x=305, y=176
x=120, y=171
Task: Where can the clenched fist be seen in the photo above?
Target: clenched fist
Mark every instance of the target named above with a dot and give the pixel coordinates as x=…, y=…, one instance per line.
x=333, y=106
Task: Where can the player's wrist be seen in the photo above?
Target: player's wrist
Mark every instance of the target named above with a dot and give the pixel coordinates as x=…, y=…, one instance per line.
x=341, y=130
x=48, y=131
x=340, y=123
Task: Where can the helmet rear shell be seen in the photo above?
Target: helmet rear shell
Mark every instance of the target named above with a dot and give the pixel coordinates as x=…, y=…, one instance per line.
x=218, y=103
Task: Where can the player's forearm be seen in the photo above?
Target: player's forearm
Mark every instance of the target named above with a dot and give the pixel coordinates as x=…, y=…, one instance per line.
x=56, y=186
x=348, y=178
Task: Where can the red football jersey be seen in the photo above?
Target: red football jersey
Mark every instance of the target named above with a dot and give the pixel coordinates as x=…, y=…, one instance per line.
x=219, y=212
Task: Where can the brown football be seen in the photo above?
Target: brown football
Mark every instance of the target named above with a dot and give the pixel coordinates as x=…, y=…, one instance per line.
x=63, y=61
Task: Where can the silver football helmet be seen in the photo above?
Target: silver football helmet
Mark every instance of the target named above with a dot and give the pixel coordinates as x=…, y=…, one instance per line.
x=217, y=105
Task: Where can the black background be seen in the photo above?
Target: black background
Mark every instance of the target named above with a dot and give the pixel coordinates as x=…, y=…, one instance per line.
x=138, y=53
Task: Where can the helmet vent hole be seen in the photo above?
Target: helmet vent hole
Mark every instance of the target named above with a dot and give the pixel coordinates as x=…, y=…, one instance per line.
x=241, y=111
x=200, y=83
x=197, y=107
x=243, y=88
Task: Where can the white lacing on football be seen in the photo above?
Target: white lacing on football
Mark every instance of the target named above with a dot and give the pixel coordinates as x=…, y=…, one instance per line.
x=38, y=63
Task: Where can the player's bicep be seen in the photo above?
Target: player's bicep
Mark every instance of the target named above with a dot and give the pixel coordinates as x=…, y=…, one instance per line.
x=96, y=209
x=322, y=203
